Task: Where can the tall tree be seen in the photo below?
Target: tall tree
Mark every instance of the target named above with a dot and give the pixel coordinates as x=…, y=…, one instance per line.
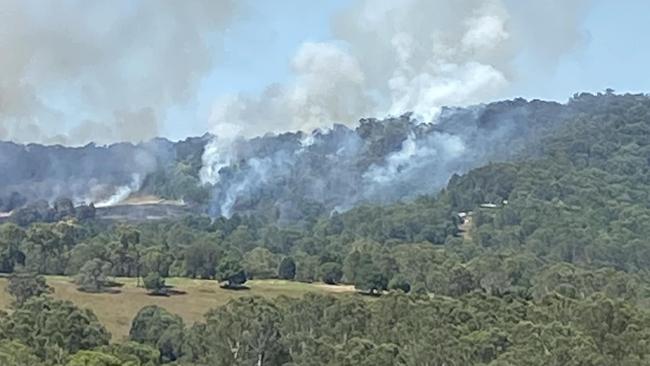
x=331, y=273
x=287, y=269
x=243, y=332
x=50, y=326
x=93, y=276
x=11, y=237
x=231, y=272
x=155, y=283
x=25, y=285
x=158, y=328
x=370, y=278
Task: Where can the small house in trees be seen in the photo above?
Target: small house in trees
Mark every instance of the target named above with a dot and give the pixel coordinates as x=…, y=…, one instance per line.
x=489, y=205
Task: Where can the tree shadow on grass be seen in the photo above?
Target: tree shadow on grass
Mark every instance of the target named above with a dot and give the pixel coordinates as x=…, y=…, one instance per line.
x=106, y=290
x=158, y=294
x=226, y=286
x=167, y=291
x=369, y=293
x=113, y=284
x=173, y=292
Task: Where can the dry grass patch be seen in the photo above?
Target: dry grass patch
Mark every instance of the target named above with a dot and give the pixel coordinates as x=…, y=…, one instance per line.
x=116, y=311
x=5, y=299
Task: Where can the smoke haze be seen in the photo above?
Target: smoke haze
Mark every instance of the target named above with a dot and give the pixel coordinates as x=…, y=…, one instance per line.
x=379, y=161
x=74, y=71
x=388, y=58
x=391, y=57
x=119, y=65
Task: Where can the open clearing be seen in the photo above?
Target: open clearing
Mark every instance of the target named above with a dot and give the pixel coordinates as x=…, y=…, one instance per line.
x=117, y=310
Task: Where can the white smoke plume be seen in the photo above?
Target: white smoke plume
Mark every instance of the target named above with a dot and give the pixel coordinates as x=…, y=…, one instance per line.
x=388, y=58
x=413, y=154
x=122, y=192
x=75, y=71
x=329, y=87
x=391, y=57
x=415, y=168
x=217, y=155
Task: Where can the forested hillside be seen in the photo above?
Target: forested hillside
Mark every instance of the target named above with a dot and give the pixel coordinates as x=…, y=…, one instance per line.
x=282, y=177
x=539, y=257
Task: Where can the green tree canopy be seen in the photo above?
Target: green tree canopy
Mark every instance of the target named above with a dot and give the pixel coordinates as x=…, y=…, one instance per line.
x=287, y=269
x=158, y=328
x=25, y=285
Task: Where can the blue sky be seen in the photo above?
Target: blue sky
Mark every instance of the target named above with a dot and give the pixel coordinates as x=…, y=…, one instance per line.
x=615, y=55
x=257, y=51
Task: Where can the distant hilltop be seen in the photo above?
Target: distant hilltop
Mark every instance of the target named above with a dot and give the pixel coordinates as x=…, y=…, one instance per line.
x=288, y=176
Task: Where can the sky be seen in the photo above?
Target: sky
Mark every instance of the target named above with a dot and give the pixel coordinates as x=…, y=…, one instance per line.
x=257, y=51
x=614, y=55
x=72, y=72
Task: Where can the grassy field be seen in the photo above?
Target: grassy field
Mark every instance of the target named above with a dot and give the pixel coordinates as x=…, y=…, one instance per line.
x=117, y=310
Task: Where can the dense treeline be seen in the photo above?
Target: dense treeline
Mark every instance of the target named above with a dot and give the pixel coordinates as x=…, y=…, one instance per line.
x=585, y=201
x=89, y=173
x=542, y=260
x=395, y=329
x=577, y=208
x=196, y=247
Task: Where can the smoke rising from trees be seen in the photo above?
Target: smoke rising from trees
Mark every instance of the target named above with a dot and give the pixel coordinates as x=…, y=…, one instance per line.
x=126, y=68
x=388, y=58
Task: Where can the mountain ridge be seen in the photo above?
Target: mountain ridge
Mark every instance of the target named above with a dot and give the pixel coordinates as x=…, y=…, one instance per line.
x=281, y=176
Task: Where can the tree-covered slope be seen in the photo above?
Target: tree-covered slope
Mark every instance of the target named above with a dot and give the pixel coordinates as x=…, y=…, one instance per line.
x=286, y=176
x=540, y=257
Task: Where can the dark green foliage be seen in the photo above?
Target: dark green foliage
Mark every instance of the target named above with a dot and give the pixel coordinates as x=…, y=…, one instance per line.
x=41, y=211
x=155, y=283
x=94, y=358
x=201, y=260
x=331, y=273
x=179, y=181
x=246, y=331
x=399, y=282
x=11, y=236
x=26, y=285
x=93, y=276
x=50, y=327
x=399, y=329
x=461, y=281
x=14, y=353
x=287, y=269
x=231, y=272
x=156, y=259
x=129, y=352
x=370, y=277
x=395, y=329
x=158, y=328
x=260, y=263
x=550, y=268
x=85, y=212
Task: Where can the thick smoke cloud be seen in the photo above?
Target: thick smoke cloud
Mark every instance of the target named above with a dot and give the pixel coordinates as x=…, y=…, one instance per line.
x=387, y=58
x=103, y=175
x=411, y=161
x=74, y=71
x=329, y=86
x=380, y=161
x=390, y=57
x=120, y=65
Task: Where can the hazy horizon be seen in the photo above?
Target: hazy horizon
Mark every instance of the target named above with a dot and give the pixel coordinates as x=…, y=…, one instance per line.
x=133, y=71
